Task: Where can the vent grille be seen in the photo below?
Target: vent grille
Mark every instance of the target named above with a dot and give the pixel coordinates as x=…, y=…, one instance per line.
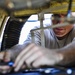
x=11, y=33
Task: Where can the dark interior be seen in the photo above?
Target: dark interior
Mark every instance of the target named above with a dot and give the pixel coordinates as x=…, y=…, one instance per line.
x=11, y=33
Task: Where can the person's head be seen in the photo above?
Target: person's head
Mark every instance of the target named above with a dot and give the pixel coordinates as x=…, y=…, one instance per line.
x=61, y=31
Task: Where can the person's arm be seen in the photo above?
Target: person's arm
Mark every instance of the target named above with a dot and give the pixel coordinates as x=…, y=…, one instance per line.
x=68, y=53
x=10, y=55
x=36, y=56
x=15, y=50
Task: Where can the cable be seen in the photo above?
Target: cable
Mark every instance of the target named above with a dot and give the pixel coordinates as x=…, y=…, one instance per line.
x=69, y=8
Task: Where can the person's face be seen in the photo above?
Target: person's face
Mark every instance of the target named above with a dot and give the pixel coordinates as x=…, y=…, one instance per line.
x=61, y=31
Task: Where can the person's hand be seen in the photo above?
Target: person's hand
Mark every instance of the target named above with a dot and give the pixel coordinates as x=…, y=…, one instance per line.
x=5, y=57
x=10, y=54
x=35, y=56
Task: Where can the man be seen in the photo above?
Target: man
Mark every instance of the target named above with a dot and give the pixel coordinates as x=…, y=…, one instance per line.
x=53, y=54
x=59, y=48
